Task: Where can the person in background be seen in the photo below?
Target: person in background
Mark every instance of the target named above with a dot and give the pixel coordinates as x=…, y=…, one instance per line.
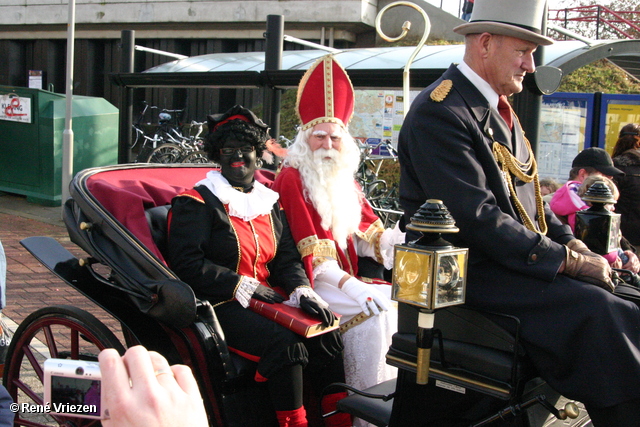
x=467, y=9
x=590, y=162
x=626, y=157
x=140, y=389
x=548, y=186
x=462, y=143
x=230, y=241
x=333, y=225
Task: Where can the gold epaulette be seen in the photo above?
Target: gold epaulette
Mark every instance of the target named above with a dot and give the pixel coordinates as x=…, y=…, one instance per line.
x=441, y=92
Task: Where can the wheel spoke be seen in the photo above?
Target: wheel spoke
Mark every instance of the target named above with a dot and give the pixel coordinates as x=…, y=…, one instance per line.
x=67, y=332
x=75, y=349
x=51, y=342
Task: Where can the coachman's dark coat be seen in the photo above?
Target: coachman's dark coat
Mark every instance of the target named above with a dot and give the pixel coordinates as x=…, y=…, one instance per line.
x=584, y=340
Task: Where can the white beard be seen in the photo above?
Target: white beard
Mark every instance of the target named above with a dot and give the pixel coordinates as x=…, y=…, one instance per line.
x=330, y=186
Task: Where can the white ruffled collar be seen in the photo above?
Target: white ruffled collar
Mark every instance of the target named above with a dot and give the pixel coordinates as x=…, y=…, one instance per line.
x=247, y=206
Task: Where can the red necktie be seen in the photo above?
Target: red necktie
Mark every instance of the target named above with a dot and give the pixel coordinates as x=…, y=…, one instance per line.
x=505, y=110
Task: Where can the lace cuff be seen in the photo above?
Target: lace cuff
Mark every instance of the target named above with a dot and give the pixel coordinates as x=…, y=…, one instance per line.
x=388, y=240
x=306, y=291
x=245, y=290
x=329, y=272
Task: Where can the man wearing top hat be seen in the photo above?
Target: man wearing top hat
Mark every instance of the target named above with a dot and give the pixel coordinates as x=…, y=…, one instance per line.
x=455, y=145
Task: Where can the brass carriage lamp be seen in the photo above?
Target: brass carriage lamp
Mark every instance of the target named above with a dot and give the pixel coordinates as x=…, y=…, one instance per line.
x=429, y=273
x=598, y=227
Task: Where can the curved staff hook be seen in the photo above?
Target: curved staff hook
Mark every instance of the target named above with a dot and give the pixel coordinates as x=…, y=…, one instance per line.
x=405, y=29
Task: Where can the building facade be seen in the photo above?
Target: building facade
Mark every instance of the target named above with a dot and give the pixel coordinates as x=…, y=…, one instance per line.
x=33, y=37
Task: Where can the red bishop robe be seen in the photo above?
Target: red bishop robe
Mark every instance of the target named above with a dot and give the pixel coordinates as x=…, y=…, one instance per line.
x=314, y=243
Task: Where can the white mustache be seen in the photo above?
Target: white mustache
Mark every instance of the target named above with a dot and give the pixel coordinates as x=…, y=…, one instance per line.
x=322, y=153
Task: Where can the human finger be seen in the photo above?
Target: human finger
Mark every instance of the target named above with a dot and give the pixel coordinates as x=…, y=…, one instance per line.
x=115, y=381
x=373, y=306
x=325, y=316
x=139, y=366
x=161, y=369
x=185, y=379
x=365, y=308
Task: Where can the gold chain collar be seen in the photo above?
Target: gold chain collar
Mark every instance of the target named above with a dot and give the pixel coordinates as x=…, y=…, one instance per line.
x=512, y=166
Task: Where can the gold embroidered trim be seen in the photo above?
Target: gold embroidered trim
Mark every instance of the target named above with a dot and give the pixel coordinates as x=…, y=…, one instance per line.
x=275, y=243
x=313, y=246
x=256, y=242
x=192, y=196
x=328, y=87
x=512, y=166
x=441, y=92
x=372, y=235
x=354, y=321
x=318, y=261
x=235, y=233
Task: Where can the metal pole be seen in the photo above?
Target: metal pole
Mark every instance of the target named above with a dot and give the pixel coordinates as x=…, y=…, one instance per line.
x=273, y=61
x=67, y=135
x=126, y=103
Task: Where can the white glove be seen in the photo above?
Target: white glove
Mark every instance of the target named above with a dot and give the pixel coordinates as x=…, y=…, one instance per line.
x=367, y=296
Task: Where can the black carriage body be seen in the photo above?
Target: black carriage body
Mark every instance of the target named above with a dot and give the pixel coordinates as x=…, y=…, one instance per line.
x=117, y=215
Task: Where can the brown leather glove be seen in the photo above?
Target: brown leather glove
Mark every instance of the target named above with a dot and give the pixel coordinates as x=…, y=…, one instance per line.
x=579, y=246
x=590, y=269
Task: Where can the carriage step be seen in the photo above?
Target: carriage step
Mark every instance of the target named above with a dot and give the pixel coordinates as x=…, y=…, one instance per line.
x=374, y=411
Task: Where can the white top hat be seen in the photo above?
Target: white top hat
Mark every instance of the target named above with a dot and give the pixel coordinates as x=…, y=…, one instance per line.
x=515, y=18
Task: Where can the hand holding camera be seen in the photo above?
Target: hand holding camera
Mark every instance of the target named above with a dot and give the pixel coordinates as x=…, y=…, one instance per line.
x=141, y=389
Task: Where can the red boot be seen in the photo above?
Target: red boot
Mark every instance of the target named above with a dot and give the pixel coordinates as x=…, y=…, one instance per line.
x=295, y=418
x=329, y=404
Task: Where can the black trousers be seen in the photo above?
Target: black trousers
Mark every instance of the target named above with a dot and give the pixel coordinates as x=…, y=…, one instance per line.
x=583, y=340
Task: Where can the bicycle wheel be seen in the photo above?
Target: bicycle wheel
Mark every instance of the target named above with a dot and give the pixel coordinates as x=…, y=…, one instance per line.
x=165, y=153
x=375, y=190
x=62, y=332
x=197, y=157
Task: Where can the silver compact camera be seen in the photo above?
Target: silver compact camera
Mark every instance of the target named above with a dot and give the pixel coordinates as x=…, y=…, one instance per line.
x=72, y=388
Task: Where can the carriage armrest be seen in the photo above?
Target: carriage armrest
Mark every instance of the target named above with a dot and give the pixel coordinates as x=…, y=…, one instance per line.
x=235, y=367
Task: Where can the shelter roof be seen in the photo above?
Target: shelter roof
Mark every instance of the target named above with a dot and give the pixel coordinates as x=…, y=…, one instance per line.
x=369, y=67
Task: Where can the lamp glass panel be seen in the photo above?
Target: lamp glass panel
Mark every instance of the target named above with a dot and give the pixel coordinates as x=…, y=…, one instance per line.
x=614, y=233
x=450, y=278
x=411, y=276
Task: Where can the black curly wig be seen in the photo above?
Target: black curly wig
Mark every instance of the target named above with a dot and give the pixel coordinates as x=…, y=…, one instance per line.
x=253, y=131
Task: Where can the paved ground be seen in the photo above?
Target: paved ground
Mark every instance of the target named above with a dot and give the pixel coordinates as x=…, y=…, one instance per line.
x=30, y=285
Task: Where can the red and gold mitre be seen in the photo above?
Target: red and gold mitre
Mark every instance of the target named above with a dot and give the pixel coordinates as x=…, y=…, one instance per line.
x=325, y=94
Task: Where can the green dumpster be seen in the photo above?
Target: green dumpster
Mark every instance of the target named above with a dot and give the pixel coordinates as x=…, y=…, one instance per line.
x=32, y=123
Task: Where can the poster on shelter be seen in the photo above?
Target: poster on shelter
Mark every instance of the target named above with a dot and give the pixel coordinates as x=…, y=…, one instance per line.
x=562, y=136
x=15, y=108
x=618, y=115
x=378, y=115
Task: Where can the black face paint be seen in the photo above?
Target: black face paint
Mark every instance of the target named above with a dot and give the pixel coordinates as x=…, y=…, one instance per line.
x=238, y=163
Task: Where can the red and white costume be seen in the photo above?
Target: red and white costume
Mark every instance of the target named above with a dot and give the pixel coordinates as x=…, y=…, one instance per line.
x=367, y=343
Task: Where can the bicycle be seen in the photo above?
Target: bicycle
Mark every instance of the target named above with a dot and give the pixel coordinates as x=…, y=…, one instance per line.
x=168, y=131
x=382, y=198
x=180, y=148
x=369, y=168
